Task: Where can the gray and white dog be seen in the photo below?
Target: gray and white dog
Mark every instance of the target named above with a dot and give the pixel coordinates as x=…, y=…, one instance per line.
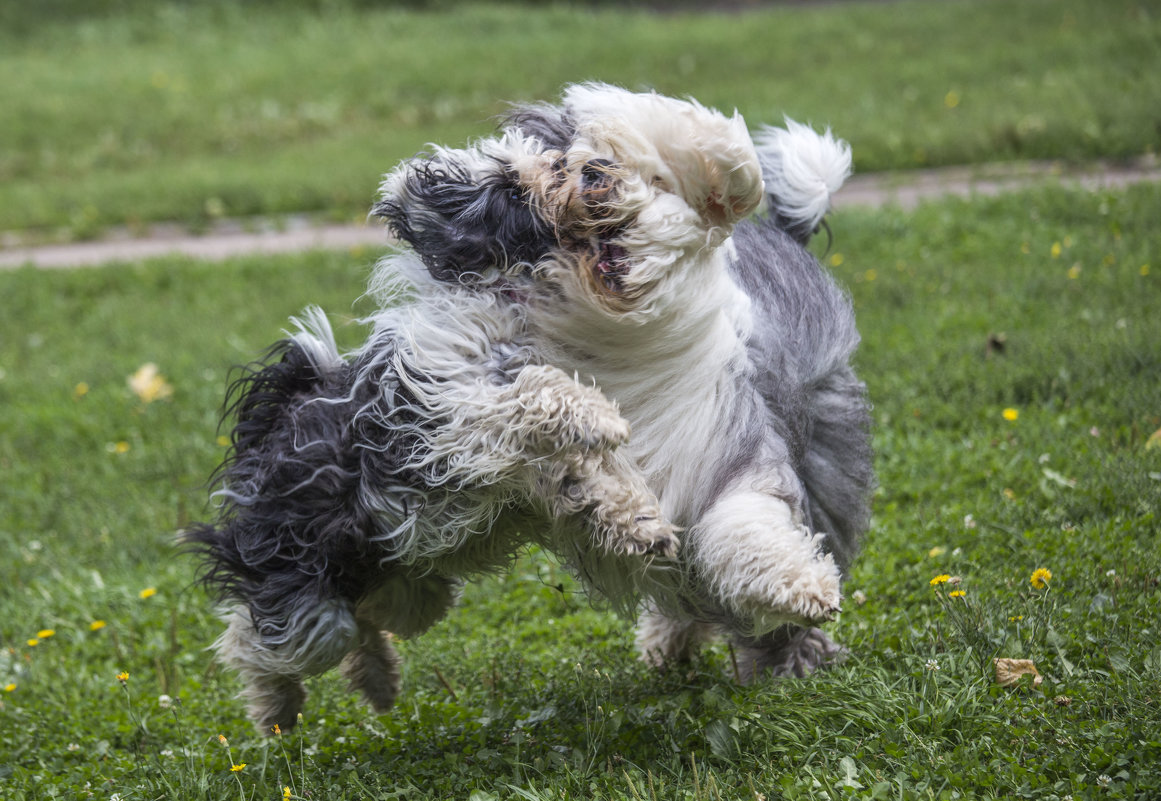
x=722, y=340
x=602, y=242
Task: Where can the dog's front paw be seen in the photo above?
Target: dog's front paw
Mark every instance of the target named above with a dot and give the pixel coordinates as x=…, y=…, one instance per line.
x=809, y=595
x=597, y=425
x=652, y=536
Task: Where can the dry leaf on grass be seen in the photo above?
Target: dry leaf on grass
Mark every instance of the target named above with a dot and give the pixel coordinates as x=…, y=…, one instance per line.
x=148, y=384
x=1154, y=440
x=1010, y=671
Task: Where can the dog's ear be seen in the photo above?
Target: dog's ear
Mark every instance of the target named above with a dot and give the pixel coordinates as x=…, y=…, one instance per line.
x=551, y=125
x=459, y=225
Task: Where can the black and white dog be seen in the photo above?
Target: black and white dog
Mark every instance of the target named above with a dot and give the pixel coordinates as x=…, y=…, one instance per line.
x=361, y=490
x=602, y=241
x=721, y=339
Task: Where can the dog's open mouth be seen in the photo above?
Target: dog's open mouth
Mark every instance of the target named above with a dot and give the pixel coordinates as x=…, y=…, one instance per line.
x=612, y=265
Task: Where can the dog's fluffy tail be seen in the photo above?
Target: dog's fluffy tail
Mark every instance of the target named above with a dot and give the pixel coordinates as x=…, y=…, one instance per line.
x=802, y=170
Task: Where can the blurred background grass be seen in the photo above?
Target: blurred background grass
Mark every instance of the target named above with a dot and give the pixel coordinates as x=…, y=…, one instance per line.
x=127, y=112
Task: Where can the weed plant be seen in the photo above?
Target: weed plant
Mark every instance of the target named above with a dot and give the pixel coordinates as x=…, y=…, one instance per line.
x=1011, y=347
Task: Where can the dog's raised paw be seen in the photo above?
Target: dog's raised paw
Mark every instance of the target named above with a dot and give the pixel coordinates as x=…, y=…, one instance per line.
x=654, y=536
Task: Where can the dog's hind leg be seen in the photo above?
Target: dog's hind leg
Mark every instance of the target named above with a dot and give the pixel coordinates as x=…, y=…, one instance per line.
x=373, y=667
x=663, y=639
x=273, y=692
x=403, y=605
x=792, y=651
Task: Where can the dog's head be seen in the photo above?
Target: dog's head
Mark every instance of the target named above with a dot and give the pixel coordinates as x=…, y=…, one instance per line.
x=608, y=195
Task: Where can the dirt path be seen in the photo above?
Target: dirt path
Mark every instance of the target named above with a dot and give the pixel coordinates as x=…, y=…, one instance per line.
x=300, y=233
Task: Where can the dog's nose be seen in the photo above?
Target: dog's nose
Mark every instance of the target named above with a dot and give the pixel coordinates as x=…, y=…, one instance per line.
x=596, y=175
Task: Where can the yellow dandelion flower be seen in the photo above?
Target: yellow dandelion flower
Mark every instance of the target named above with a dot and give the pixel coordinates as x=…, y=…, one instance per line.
x=1144, y=269
x=1015, y=618
x=1040, y=577
x=871, y=275
x=938, y=550
x=1074, y=272
x=118, y=447
x=1011, y=415
x=32, y=642
x=277, y=730
x=942, y=578
x=97, y=625
x=236, y=768
x=285, y=794
x=123, y=676
x=148, y=592
x=836, y=260
x=44, y=634
x=9, y=687
x=1056, y=250
x=223, y=441
x=1009, y=493
x=222, y=739
x=80, y=390
x=951, y=99
x=956, y=594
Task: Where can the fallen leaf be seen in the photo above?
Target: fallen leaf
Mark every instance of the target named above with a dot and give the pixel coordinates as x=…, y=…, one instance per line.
x=148, y=384
x=1010, y=671
x=1154, y=440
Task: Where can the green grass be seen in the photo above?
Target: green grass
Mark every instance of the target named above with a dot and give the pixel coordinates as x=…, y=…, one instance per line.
x=525, y=692
x=194, y=110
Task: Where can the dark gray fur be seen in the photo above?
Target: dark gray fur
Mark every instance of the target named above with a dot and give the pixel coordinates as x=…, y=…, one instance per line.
x=803, y=340
x=463, y=228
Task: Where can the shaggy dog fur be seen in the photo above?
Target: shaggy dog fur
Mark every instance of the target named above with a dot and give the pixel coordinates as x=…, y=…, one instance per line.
x=722, y=340
x=602, y=242
x=360, y=491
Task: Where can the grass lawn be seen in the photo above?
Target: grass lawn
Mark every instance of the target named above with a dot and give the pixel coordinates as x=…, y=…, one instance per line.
x=195, y=110
x=994, y=461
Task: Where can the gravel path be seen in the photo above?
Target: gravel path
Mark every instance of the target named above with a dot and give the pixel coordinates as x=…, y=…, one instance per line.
x=300, y=233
